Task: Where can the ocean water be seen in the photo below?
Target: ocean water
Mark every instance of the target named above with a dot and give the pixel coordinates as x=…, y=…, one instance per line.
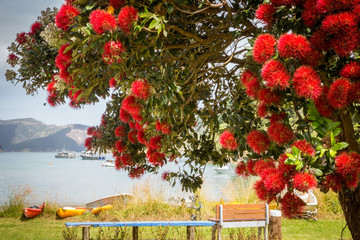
x=76, y=181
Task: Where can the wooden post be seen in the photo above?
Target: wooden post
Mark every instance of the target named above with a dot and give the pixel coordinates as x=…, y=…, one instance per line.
x=86, y=233
x=213, y=233
x=190, y=232
x=275, y=225
x=135, y=233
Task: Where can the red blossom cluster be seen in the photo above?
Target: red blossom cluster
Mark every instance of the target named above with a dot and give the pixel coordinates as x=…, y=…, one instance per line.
x=304, y=147
x=275, y=75
x=347, y=166
x=264, y=48
x=35, y=28
x=258, y=141
x=112, y=52
x=127, y=16
x=163, y=127
x=228, y=141
x=65, y=17
x=102, y=21
x=21, y=38
x=280, y=133
x=141, y=89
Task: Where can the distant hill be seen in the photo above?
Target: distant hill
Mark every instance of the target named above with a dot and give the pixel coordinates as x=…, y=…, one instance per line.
x=30, y=135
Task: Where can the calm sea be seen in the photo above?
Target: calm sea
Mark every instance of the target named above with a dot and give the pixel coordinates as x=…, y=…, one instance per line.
x=77, y=181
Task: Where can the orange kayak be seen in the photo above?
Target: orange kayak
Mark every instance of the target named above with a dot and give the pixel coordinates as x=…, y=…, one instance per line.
x=70, y=211
x=33, y=211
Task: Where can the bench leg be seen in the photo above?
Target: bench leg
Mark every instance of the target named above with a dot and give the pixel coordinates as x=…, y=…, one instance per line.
x=86, y=233
x=213, y=233
x=218, y=232
x=135, y=233
x=190, y=233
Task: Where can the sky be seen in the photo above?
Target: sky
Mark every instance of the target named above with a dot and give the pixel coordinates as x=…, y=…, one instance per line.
x=17, y=16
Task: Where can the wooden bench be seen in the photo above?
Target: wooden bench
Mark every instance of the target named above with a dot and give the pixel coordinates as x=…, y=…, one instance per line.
x=241, y=215
x=135, y=226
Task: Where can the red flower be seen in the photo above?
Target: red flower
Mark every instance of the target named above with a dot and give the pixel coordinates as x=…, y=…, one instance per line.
x=228, y=141
x=127, y=16
x=265, y=13
x=264, y=48
x=284, y=168
x=307, y=82
x=90, y=131
x=51, y=87
x=291, y=205
x=21, y=38
x=132, y=136
x=258, y=141
x=124, y=115
x=345, y=42
x=310, y=15
x=336, y=23
x=120, y=131
x=131, y=105
x=63, y=59
x=332, y=181
x=132, y=125
x=319, y=40
x=304, y=181
x=112, y=83
x=354, y=94
x=241, y=170
x=88, y=143
x=262, y=165
x=324, y=6
x=268, y=97
x=155, y=143
x=136, y=172
x=351, y=70
x=53, y=99
x=252, y=88
x=294, y=46
x=247, y=76
x=12, y=59
x=304, y=147
x=163, y=127
x=262, y=110
x=165, y=175
x=65, y=17
x=155, y=158
x=274, y=182
x=279, y=133
x=141, y=137
x=275, y=75
x=322, y=104
x=126, y=159
x=117, y=3
x=346, y=164
x=35, y=28
x=120, y=146
x=113, y=52
x=262, y=192
x=102, y=21
x=141, y=89
x=250, y=167
x=138, y=126
x=339, y=93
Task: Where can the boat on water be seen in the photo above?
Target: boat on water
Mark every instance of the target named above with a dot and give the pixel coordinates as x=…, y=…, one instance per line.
x=108, y=163
x=91, y=156
x=122, y=198
x=65, y=154
x=70, y=211
x=33, y=211
x=226, y=169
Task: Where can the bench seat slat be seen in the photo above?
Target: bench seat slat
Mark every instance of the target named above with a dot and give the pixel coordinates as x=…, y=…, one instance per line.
x=141, y=224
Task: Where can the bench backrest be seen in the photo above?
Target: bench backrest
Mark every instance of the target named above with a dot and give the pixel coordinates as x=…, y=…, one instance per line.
x=242, y=211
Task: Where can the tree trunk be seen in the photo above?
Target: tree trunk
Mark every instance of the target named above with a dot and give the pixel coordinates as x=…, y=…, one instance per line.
x=350, y=200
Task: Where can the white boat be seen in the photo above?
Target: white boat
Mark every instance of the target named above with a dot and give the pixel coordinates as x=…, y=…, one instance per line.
x=91, y=156
x=108, y=163
x=122, y=198
x=65, y=154
x=225, y=169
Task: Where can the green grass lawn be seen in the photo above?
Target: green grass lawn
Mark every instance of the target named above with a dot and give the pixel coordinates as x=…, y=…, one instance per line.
x=47, y=228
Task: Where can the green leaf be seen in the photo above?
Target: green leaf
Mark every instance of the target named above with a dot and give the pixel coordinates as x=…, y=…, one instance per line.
x=299, y=165
x=337, y=131
x=295, y=151
x=322, y=151
x=318, y=172
x=332, y=153
x=289, y=161
x=332, y=139
x=290, y=156
x=340, y=145
x=154, y=23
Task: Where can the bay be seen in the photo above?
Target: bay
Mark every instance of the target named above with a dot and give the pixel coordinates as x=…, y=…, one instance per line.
x=77, y=181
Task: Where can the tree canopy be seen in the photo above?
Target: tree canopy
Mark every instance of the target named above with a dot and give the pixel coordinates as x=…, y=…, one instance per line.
x=274, y=82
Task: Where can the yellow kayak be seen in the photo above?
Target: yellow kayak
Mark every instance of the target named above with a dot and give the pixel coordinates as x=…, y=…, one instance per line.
x=70, y=211
x=98, y=210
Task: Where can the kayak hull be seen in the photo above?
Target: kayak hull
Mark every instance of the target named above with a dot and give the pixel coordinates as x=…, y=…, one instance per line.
x=70, y=212
x=98, y=210
x=34, y=211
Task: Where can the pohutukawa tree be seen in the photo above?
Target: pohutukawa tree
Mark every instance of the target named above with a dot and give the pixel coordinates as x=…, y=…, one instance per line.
x=280, y=75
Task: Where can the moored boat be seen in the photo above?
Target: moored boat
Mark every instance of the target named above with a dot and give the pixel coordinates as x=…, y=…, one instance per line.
x=225, y=169
x=33, y=211
x=98, y=210
x=108, y=163
x=70, y=211
x=91, y=156
x=122, y=198
x=65, y=154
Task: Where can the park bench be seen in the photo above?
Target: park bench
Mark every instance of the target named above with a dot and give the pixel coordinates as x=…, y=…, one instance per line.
x=241, y=215
x=135, y=226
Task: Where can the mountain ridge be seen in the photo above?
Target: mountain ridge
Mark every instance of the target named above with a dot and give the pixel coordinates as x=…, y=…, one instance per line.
x=31, y=135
